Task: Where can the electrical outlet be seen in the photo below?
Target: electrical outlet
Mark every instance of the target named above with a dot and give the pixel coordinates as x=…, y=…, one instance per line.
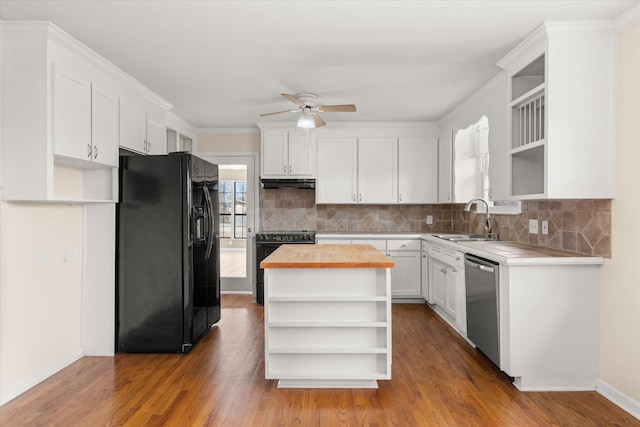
x=533, y=226
x=429, y=219
x=545, y=227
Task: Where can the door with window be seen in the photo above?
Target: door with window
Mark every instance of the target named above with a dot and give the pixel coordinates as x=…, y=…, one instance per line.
x=237, y=193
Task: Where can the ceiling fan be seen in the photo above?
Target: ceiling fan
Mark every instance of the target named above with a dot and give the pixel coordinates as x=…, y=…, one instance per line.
x=308, y=107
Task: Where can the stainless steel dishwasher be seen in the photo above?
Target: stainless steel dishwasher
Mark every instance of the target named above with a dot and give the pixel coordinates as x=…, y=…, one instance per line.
x=483, y=305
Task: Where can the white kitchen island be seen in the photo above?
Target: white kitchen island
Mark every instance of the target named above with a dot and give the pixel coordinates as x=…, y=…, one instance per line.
x=327, y=314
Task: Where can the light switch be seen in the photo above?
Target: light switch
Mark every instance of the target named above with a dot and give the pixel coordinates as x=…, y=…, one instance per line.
x=545, y=227
x=533, y=226
x=429, y=219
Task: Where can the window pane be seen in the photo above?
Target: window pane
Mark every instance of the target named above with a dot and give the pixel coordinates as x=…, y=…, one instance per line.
x=225, y=226
x=241, y=197
x=240, y=231
x=224, y=195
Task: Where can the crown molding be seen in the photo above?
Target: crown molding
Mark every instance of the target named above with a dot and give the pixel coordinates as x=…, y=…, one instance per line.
x=63, y=39
x=533, y=45
x=628, y=19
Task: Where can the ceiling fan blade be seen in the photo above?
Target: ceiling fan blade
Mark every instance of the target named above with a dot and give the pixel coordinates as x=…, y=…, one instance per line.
x=278, y=112
x=318, y=120
x=293, y=99
x=349, y=108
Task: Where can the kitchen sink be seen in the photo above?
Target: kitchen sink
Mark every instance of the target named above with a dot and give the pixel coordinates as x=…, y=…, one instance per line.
x=464, y=237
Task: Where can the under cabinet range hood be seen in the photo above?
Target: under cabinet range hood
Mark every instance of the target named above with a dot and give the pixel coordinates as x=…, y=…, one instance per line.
x=288, y=184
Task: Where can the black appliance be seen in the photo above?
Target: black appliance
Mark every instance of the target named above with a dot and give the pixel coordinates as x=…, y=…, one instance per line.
x=168, y=262
x=267, y=243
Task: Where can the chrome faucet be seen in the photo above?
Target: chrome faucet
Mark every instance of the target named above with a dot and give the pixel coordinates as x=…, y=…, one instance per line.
x=487, y=222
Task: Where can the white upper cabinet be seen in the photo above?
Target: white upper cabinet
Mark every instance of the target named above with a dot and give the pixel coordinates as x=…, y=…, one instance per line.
x=61, y=123
x=288, y=153
x=133, y=127
x=337, y=170
x=71, y=113
x=381, y=169
x=140, y=131
x=561, y=93
x=445, y=167
x=104, y=125
x=377, y=170
x=156, y=142
x=417, y=170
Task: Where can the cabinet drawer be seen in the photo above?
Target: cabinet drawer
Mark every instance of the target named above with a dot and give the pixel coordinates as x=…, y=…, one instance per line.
x=380, y=245
x=403, y=245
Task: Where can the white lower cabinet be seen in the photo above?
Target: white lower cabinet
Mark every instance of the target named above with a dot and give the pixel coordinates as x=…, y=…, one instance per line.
x=446, y=285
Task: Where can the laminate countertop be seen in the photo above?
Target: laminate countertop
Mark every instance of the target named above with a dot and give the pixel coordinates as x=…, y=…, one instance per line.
x=326, y=256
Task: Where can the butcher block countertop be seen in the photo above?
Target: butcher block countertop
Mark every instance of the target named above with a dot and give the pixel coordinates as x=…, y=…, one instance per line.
x=326, y=256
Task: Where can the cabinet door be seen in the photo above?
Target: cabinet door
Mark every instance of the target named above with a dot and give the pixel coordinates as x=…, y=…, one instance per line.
x=437, y=275
x=301, y=153
x=451, y=286
x=274, y=153
x=424, y=276
x=445, y=170
x=377, y=170
x=405, y=276
x=71, y=113
x=337, y=166
x=156, y=136
x=418, y=170
x=104, y=125
x=133, y=127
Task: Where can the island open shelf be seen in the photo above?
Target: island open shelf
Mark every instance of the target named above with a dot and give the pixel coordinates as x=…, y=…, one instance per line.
x=327, y=316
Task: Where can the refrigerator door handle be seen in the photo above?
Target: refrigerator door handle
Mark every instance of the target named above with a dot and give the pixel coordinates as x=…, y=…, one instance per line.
x=210, y=221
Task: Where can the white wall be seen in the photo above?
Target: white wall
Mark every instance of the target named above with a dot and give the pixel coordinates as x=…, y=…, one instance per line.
x=620, y=276
x=40, y=295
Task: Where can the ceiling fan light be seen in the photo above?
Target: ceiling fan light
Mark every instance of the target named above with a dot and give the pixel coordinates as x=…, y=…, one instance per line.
x=306, y=121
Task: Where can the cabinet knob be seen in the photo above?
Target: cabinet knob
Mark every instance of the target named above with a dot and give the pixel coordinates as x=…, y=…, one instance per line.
x=360, y=197
x=95, y=152
x=284, y=168
x=354, y=197
x=89, y=150
x=289, y=168
x=457, y=258
x=148, y=147
x=400, y=197
x=424, y=256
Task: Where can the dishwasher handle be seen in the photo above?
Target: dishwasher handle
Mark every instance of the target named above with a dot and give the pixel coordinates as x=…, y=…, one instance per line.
x=479, y=266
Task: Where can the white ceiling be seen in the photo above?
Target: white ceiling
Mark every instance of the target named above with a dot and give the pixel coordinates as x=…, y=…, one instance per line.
x=222, y=63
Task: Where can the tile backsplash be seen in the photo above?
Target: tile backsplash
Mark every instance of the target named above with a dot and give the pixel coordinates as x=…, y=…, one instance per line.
x=582, y=226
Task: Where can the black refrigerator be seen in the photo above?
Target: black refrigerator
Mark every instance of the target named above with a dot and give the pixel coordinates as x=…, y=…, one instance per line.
x=168, y=254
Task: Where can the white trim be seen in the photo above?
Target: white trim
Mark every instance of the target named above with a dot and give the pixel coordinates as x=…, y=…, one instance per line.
x=619, y=398
x=627, y=19
x=38, y=376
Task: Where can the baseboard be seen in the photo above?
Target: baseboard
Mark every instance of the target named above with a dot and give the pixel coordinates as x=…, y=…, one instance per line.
x=619, y=398
x=40, y=375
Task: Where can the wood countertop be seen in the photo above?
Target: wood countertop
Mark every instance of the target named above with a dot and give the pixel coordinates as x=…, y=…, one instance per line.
x=326, y=256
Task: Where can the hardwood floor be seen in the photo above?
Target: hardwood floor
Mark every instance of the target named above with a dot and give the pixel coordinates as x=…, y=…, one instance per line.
x=438, y=379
